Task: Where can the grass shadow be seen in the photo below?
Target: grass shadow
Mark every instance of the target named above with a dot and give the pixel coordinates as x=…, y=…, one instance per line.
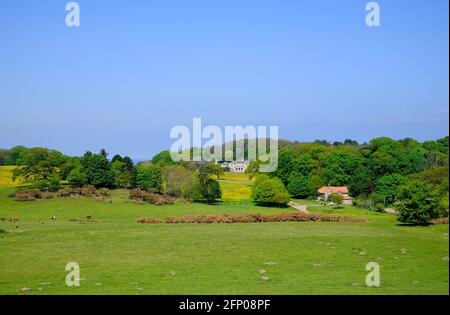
x=209, y=203
x=272, y=205
x=413, y=225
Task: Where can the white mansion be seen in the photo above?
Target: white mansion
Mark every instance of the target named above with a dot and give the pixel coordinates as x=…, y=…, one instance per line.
x=235, y=166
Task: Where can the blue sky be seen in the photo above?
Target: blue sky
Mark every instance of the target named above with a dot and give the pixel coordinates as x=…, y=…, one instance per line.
x=135, y=69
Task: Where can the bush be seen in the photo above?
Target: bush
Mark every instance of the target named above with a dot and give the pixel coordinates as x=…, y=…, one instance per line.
x=149, y=220
x=335, y=198
x=34, y=194
x=85, y=191
x=250, y=218
x=27, y=195
x=48, y=195
x=269, y=191
x=440, y=221
x=141, y=196
x=379, y=207
x=102, y=192
x=371, y=202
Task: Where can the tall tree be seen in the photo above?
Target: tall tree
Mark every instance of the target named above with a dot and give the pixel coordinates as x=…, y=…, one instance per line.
x=96, y=169
x=39, y=165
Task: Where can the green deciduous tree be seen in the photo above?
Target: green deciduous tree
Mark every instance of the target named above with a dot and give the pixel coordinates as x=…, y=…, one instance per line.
x=362, y=182
x=178, y=181
x=300, y=186
x=205, y=187
x=267, y=191
x=387, y=187
x=303, y=165
x=417, y=202
x=253, y=169
x=163, y=158
x=285, y=165
x=214, y=169
x=339, y=168
x=124, y=172
x=149, y=177
x=41, y=166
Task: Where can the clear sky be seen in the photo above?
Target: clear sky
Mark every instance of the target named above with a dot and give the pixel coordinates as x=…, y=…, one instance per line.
x=134, y=69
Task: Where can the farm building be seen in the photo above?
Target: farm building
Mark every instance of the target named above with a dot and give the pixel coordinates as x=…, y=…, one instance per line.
x=325, y=191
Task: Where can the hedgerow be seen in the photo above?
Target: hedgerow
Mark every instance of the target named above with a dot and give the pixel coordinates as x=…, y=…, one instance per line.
x=251, y=218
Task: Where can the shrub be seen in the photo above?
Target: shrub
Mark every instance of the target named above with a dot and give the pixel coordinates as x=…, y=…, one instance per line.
x=139, y=196
x=102, y=192
x=136, y=194
x=48, y=195
x=27, y=195
x=86, y=191
x=267, y=191
x=379, y=207
x=335, y=198
x=250, y=218
x=440, y=221
x=370, y=202
x=149, y=220
x=34, y=194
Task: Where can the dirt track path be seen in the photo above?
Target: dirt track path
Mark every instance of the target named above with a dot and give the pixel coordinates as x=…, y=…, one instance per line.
x=299, y=207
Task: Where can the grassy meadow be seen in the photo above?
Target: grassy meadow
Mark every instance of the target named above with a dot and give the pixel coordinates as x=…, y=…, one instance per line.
x=6, y=178
x=119, y=256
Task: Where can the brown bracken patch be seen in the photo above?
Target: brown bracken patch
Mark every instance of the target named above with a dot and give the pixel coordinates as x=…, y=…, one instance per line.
x=251, y=218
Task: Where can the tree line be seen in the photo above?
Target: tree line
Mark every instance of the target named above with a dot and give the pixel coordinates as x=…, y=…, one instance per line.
x=380, y=173
x=50, y=170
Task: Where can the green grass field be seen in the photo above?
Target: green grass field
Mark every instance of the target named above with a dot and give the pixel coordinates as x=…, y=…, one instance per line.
x=118, y=256
x=235, y=186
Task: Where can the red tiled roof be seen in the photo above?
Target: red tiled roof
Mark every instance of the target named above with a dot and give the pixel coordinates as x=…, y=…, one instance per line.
x=333, y=189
